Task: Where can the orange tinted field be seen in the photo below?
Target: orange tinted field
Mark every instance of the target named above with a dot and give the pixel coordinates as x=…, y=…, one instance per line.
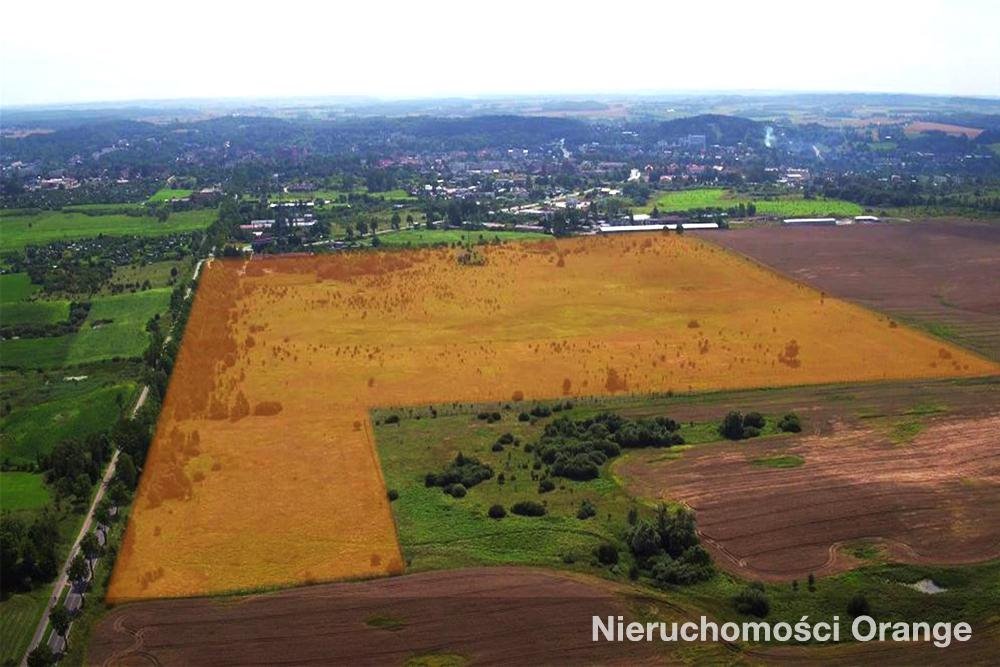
x=263, y=471
x=919, y=126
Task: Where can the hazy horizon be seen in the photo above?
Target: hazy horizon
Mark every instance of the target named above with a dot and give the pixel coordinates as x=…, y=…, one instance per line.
x=74, y=54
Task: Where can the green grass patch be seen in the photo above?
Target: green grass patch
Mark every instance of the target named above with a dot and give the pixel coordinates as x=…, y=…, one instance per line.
x=166, y=194
x=437, y=531
x=19, y=615
x=15, y=287
x=49, y=226
x=383, y=622
x=34, y=312
x=779, y=461
x=437, y=660
x=114, y=329
x=781, y=206
x=81, y=409
x=902, y=432
x=420, y=237
x=23, y=491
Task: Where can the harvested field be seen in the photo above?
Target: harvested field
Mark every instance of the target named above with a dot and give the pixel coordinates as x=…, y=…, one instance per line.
x=921, y=126
x=482, y=616
x=941, y=275
x=931, y=497
x=263, y=471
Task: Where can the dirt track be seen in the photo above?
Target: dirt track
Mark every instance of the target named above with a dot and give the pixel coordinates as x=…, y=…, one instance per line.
x=485, y=615
x=935, y=499
x=934, y=272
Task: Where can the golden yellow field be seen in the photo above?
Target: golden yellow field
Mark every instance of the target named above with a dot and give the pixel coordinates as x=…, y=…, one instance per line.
x=263, y=471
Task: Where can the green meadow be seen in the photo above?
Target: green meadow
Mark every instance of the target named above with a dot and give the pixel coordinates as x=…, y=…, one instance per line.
x=23, y=491
x=166, y=194
x=784, y=206
x=73, y=409
x=17, y=231
x=114, y=329
x=437, y=531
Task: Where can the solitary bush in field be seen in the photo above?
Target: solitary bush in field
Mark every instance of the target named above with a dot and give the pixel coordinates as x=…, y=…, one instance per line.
x=858, y=606
x=497, y=512
x=546, y=485
x=523, y=417
x=752, y=601
x=528, y=508
x=586, y=510
x=607, y=554
x=393, y=494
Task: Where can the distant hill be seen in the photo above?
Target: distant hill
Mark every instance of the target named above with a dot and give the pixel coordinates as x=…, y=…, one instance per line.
x=718, y=129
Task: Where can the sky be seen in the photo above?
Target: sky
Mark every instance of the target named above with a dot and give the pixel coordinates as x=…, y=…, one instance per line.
x=68, y=51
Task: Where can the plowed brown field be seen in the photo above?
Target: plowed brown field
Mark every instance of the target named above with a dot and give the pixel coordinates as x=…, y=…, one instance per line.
x=944, y=275
x=934, y=499
x=263, y=472
x=481, y=616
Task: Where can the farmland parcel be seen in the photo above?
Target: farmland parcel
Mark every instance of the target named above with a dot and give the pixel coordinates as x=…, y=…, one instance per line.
x=263, y=471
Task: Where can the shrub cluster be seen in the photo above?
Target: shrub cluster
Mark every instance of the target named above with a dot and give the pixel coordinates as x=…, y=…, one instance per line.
x=738, y=426
x=461, y=474
x=667, y=548
x=528, y=508
x=790, y=423
x=576, y=449
x=752, y=601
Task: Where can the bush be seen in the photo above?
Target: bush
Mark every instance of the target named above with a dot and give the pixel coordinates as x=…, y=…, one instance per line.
x=732, y=425
x=523, y=417
x=455, y=490
x=528, y=508
x=392, y=419
x=464, y=470
x=393, y=495
x=497, y=446
x=506, y=439
x=751, y=432
x=541, y=411
x=753, y=602
x=497, y=512
x=754, y=419
x=858, y=606
x=607, y=554
x=586, y=510
x=546, y=485
x=790, y=423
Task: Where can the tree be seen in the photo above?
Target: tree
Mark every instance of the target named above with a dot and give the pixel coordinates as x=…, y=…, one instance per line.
x=396, y=220
x=90, y=546
x=118, y=493
x=79, y=569
x=126, y=471
x=41, y=656
x=60, y=620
